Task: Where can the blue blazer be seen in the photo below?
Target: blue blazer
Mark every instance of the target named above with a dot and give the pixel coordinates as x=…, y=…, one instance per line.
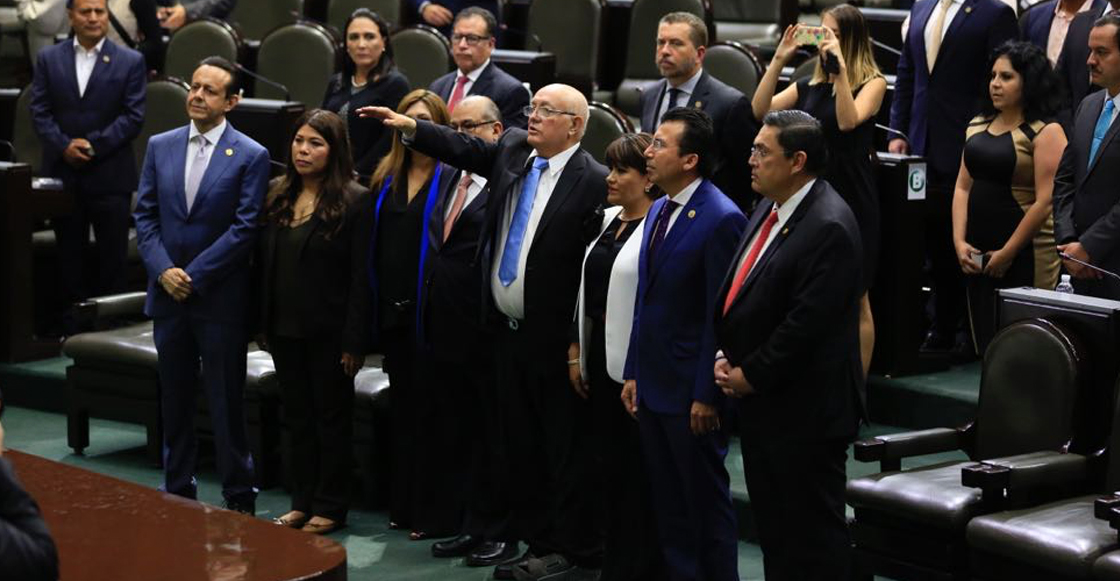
x=214, y=240
x=1034, y=25
x=934, y=108
x=109, y=115
x=672, y=342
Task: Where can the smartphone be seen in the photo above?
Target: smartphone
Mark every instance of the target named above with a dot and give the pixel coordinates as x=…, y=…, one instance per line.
x=830, y=64
x=980, y=259
x=809, y=35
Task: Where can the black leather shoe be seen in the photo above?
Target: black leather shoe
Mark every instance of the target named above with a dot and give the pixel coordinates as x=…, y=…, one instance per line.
x=248, y=507
x=937, y=342
x=490, y=553
x=505, y=570
x=459, y=546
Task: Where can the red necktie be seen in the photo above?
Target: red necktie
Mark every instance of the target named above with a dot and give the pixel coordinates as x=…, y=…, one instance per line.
x=752, y=256
x=457, y=205
x=457, y=94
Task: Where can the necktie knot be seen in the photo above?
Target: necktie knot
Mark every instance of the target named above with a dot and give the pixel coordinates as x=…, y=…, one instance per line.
x=539, y=163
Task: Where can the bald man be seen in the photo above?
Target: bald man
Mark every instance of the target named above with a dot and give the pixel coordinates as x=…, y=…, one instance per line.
x=544, y=188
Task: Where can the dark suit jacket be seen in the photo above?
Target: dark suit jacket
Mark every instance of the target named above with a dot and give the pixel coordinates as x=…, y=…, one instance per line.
x=672, y=342
x=507, y=93
x=27, y=551
x=1071, y=67
x=1087, y=198
x=552, y=271
x=933, y=109
x=450, y=303
x=1034, y=24
x=455, y=6
x=214, y=241
x=794, y=327
x=735, y=128
x=333, y=286
x=109, y=115
x=369, y=139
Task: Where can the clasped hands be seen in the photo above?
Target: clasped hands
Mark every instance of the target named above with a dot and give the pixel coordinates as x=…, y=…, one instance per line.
x=177, y=283
x=78, y=152
x=731, y=379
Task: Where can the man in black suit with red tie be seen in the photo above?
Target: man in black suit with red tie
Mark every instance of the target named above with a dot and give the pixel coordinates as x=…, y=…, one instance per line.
x=787, y=324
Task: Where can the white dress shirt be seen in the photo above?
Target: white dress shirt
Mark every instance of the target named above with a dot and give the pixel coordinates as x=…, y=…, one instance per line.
x=477, y=183
x=471, y=78
x=212, y=138
x=686, y=89
x=510, y=300
x=682, y=199
x=784, y=212
x=84, y=61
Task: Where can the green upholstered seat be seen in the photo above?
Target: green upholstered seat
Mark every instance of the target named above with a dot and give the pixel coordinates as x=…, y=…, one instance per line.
x=422, y=54
x=300, y=56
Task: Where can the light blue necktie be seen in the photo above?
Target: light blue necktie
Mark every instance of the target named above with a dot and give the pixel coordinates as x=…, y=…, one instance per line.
x=1101, y=129
x=511, y=254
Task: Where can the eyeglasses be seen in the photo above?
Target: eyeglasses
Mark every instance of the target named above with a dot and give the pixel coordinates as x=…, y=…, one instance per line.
x=762, y=152
x=544, y=112
x=472, y=39
x=468, y=126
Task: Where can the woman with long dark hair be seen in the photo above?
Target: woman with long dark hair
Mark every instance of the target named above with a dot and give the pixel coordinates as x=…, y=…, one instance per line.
x=406, y=183
x=315, y=312
x=369, y=77
x=1003, y=223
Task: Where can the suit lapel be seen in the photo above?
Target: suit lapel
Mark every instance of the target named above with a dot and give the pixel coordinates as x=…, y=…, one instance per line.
x=450, y=181
x=485, y=79
x=178, y=168
x=780, y=239
x=954, y=27
x=70, y=67
x=699, y=97
x=1107, y=136
x=100, y=67
x=647, y=236
x=649, y=114
x=922, y=13
x=681, y=226
x=560, y=194
x=223, y=156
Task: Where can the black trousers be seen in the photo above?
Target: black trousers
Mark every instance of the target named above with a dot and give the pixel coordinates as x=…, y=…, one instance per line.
x=399, y=349
x=945, y=272
x=108, y=214
x=797, y=495
x=318, y=399
x=545, y=427
x=631, y=550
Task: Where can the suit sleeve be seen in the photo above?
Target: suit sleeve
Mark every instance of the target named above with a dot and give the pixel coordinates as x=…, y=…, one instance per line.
x=1101, y=238
x=126, y=126
x=823, y=290
x=231, y=249
x=1004, y=29
x=738, y=137
x=903, y=88
x=719, y=254
x=1064, y=188
x=356, y=334
x=214, y=8
x=27, y=551
x=42, y=111
x=459, y=150
x=148, y=237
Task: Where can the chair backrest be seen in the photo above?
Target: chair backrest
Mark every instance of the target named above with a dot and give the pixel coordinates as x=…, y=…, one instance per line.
x=604, y=125
x=1030, y=380
x=735, y=65
x=804, y=70
x=551, y=23
x=300, y=56
x=339, y=10
x=256, y=18
x=24, y=139
x=164, y=109
x=747, y=10
x=422, y=54
x=644, y=16
x=198, y=40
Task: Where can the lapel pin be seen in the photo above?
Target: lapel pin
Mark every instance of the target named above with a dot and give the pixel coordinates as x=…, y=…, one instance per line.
x=692, y=213
x=968, y=10
x=785, y=231
x=697, y=104
x=229, y=153
x=105, y=58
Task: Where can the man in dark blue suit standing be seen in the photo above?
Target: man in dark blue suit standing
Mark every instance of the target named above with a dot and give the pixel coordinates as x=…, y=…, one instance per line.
x=472, y=43
x=201, y=189
x=942, y=69
x=87, y=104
x=670, y=385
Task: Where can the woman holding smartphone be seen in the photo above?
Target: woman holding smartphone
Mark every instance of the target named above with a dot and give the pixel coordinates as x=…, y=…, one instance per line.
x=844, y=94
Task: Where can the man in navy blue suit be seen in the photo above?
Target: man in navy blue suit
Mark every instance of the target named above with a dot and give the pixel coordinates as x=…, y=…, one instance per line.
x=472, y=43
x=1046, y=25
x=201, y=189
x=942, y=69
x=670, y=385
x=87, y=104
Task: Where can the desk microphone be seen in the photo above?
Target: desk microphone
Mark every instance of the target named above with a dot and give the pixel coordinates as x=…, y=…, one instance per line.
x=11, y=149
x=886, y=47
x=1066, y=256
x=266, y=80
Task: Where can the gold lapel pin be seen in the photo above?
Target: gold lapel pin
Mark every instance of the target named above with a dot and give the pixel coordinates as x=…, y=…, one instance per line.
x=105, y=58
x=229, y=153
x=692, y=213
x=785, y=231
x=697, y=104
x=968, y=10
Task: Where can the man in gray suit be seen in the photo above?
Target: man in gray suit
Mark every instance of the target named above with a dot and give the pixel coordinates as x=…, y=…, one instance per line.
x=1086, y=198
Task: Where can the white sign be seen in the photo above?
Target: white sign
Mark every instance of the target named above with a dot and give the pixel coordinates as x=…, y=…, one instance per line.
x=916, y=182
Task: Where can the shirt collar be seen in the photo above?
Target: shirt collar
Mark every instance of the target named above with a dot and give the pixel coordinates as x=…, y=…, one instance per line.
x=480, y=181
x=787, y=209
x=557, y=162
x=1085, y=6
x=690, y=85
x=213, y=135
x=475, y=74
x=685, y=195
x=96, y=50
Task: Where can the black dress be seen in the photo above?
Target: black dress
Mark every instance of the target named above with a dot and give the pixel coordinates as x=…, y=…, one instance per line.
x=850, y=168
x=369, y=139
x=631, y=550
x=1002, y=169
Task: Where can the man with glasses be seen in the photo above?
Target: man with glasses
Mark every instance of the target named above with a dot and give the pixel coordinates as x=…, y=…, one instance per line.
x=544, y=191
x=472, y=41
x=454, y=341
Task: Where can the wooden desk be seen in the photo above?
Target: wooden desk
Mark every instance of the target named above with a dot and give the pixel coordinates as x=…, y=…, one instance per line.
x=107, y=528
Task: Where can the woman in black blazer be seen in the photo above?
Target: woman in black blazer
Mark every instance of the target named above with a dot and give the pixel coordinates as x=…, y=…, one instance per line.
x=315, y=312
x=368, y=77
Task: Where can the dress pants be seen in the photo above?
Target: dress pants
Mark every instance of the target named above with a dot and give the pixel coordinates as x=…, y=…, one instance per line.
x=398, y=345
x=797, y=495
x=691, y=497
x=631, y=551
x=108, y=214
x=945, y=270
x=182, y=342
x=318, y=400
x=546, y=429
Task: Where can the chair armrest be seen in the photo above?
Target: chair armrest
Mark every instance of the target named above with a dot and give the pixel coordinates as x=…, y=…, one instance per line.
x=890, y=449
x=1104, y=507
x=1015, y=478
x=97, y=309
